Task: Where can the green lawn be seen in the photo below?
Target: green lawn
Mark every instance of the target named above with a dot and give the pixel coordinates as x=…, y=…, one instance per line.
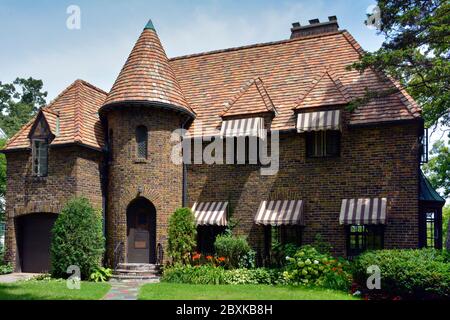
x=172, y=291
x=51, y=290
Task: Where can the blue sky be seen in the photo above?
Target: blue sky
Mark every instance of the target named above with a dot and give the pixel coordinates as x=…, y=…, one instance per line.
x=36, y=42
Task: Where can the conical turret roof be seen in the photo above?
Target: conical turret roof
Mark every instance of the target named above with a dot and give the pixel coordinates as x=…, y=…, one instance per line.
x=147, y=77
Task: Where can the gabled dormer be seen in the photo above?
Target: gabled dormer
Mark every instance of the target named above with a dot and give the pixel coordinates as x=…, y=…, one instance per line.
x=43, y=131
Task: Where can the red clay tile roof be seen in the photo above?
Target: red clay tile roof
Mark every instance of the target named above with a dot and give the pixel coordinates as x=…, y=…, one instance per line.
x=148, y=77
x=77, y=109
x=277, y=76
x=251, y=98
x=288, y=69
x=325, y=90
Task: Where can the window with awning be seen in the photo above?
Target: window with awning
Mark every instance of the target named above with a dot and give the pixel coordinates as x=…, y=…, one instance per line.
x=319, y=121
x=250, y=127
x=210, y=213
x=280, y=212
x=363, y=211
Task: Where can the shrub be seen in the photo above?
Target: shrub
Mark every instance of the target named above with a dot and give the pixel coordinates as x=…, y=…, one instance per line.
x=101, y=275
x=233, y=248
x=248, y=260
x=208, y=274
x=77, y=239
x=281, y=251
x=194, y=274
x=408, y=273
x=6, y=268
x=310, y=267
x=182, y=235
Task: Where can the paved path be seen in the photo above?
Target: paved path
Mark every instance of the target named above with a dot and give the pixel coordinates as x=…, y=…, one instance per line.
x=121, y=290
x=14, y=277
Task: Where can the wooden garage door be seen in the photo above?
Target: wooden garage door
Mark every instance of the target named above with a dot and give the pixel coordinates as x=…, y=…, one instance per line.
x=35, y=239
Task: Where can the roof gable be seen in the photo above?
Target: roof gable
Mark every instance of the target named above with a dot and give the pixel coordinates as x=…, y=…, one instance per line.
x=72, y=117
x=325, y=90
x=252, y=98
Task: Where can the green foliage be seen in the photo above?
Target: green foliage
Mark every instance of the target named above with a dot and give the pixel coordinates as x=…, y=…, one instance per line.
x=194, y=274
x=19, y=101
x=234, y=249
x=310, y=267
x=208, y=274
x=408, y=273
x=248, y=260
x=182, y=235
x=416, y=51
x=101, y=275
x=77, y=239
x=437, y=169
x=6, y=268
x=445, y=226
x=281, y=251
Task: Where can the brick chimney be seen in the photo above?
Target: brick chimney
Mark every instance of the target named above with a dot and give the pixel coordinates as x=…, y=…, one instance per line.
x=314, y=27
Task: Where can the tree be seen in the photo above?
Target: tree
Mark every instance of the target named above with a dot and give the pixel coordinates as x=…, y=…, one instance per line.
x=438, y=167
x=2, y=181
x=77, y=239
x=182, y=235
x=19, y=101
x=416, y=51
x=446, y=226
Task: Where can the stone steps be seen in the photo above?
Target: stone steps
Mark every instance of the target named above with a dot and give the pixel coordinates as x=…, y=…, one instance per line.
x=128, y=272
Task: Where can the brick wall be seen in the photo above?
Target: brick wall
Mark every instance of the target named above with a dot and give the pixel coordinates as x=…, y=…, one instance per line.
x=156, y=179
x=72, y=171
x=377, y=161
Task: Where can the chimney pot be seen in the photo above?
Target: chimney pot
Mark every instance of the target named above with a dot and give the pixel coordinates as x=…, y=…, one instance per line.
x=314, y=21
x=332, y=18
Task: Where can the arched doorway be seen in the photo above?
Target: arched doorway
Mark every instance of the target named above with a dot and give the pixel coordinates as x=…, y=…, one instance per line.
x=141, y=231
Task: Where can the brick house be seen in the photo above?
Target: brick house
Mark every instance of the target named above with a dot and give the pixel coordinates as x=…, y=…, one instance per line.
x=352, y=177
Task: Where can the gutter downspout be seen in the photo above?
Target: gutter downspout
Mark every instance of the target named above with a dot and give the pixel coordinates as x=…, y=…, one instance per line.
x=184, y=186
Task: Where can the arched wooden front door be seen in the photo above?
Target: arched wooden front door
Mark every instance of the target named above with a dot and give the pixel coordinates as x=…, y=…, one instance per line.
x=141, y=232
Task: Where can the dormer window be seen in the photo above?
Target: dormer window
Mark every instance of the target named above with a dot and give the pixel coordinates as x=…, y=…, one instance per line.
x=40, y=157
x=142, y=142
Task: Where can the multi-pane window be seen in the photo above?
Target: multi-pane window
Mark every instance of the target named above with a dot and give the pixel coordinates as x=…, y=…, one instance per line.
x=40, y=157
x=364, y=237
x=206, y=236
x=430, y=226
x=246, y=150
x=142, y=142
x=323, y=143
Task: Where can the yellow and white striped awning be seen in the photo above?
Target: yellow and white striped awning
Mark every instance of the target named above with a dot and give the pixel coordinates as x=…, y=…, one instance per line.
x=210, y=213
x=280, y=212
x=251, y=127
x=363, y=211
x=319, y=121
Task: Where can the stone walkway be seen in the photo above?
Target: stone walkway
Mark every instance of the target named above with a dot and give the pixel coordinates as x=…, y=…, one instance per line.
x=14, y=277
x=121, y=290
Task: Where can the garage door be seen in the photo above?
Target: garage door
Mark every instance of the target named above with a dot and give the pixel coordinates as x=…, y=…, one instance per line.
x=35, y=239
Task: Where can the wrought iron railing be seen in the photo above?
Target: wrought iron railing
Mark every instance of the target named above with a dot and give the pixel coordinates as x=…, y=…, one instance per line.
x=118, y=256
x=159, y=254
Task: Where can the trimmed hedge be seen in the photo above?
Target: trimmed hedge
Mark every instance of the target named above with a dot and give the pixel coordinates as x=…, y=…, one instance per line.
x=235, y=249
x=423, y=273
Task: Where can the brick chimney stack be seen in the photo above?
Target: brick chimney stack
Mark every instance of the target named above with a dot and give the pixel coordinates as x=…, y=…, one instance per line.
x=315, y=27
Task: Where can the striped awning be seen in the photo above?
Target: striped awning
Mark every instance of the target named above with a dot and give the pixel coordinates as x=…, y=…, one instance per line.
x=363, y=211
x=210, y=213
x=251, y=127
x=319, y=121
x=280, y=212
